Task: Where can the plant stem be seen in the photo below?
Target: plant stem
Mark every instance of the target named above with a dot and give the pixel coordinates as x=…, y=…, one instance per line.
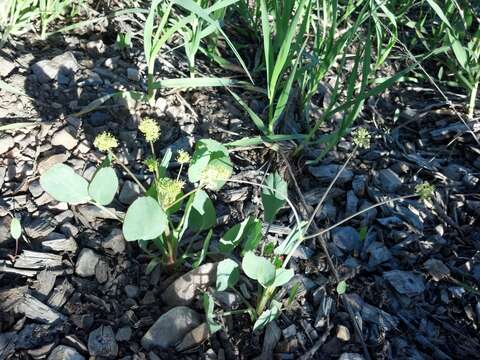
x=348, y=218
x=106, y=210
x=127, y=170
x=264, y=299
x=473, y=99
x=235, y=312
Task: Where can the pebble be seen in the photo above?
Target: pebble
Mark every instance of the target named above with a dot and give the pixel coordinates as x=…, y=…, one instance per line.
x=35, y=188
x=6, y=143
x=40, y=227
x=183, y=290
x=194, y=338
x=132, y=291
x=86, y=262
x=47, y=163
x=62, y=352
x=170, y=328
x=95, y=47
x=133, y=74
x=346, y=238
x=388, y=180
x=129, y=193
x=115, y=241
x=102, y=343
x=6, y=66
x=290, y=331
x=326, y=173
x=64, y=138
x=405, y=282
x=61, y=65
x=124, y=333
x=343, y=333
x=351, y=356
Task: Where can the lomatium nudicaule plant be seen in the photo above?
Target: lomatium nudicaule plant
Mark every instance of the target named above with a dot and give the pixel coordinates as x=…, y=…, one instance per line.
x=164, y=213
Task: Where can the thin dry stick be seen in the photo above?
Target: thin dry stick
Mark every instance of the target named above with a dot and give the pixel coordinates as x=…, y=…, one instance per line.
x=323, y=244
x=127, y=170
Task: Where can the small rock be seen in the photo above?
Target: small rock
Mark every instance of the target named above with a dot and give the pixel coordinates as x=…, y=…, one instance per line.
x=359, y=185
x=6, y=143
x=101, y=342
x=183, y=290
x=64, y=138
x=6, y=66
x=170, y=328
x=133, y=74
x=437, y=269
x=86, y=262
x=290, y=331
x=405, y=282
x=227, y=300
x=61, y=65
x=132, y=291
x=62, y=352
x=40, y=227
x=35, y=188
x=115, y=241
x=351, y=356
x=388, y=180
x=124, y=333
x=272, y=337
x=129, y=193
x=101, y=271
x=95, y=47
x=343, y=333
x=346, y=238
x=378, y=254
x=326, y=173
x=352, y=203
x=58, y=242
x=47, y=163
x=194, y=338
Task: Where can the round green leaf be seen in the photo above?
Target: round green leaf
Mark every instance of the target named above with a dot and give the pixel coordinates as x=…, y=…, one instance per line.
x=63, y=184
x=15, y=228
x=228, y=274
x=201, y=212
x=258, y=268
x=104, y=186
x=341, y=287
x=273, y=196
x=145, y=220
x=282, y=276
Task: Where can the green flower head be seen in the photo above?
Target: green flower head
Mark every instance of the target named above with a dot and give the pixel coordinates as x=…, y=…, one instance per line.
x=105, y=142
x=168, y=191
x=361, y=138
x=150, y=129
x=424, y=190
x=151, y=164
x=183, y=157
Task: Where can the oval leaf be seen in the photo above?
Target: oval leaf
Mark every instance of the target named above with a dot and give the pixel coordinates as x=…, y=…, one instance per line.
x=104, y=186
x=233, y=236
x=201, y=212
x=282, y=276
x=341, y=287
x=228, y=273
x=15, y=228
x=273, y=197
x=145, y=220
x=258, y=268
x=63, y=184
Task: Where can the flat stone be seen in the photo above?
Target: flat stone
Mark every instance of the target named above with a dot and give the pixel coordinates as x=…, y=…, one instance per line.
x=170, y=328
x=437, y=269
x=6, y=66
x=6, y=143
x=183, y=290
x=47, y=163
x=40, y=227
x=64, y=138
x=351, y=356
x=102, y=343
x=194, y=338
x=86, y=262
x=133, y=74
x=405, y=282
x=388, y=180
x=61, y=65
x=346, y=238
x=343, y=333
x=124, y=333
x=129, y=193
x=115, y=241
x=326, y=173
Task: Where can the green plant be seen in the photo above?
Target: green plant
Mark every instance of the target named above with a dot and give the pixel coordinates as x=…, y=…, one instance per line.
x=16, y=18
x=124, y=40
x=50, y=10
x=153, y=216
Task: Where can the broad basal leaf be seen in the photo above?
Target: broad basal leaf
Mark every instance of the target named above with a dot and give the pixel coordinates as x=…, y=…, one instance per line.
x=103, y=186
x=233, y=236
x=201, y=212
x=268, y=316
x=228, y=273
x=273, y=196
x=252, y=235
x=63, y=184
x=145, y=220
x=258, y=268
x=15, y=228
x=282, y=276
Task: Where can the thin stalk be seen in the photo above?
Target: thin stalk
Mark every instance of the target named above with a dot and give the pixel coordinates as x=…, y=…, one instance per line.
x=473, y=98
x=348, y=218
x=236, y=312
x=127, y=170
x=264, y=299
x=106, y=210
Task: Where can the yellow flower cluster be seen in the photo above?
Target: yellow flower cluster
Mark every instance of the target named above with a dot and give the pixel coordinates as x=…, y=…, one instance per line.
x=150, y=129
x=151, y=164
x=361, y=138
x=213, y=174
x=168, y=190
x=105, y=142
x=183, y=157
